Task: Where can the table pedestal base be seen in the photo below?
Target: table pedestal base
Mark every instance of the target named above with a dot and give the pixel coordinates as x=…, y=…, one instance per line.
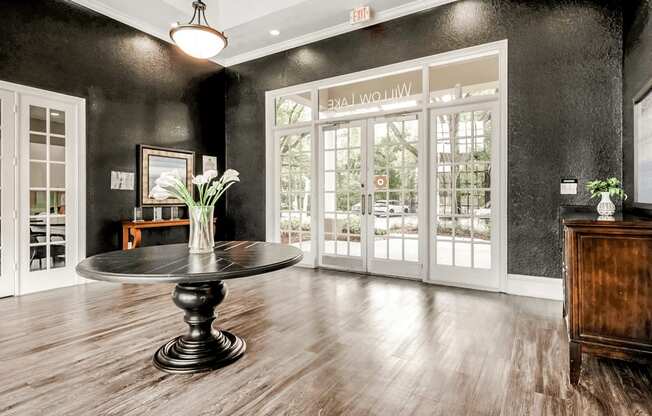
x=201, y=349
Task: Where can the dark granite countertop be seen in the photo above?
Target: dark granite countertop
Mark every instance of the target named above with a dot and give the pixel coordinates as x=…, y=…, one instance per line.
x=579, y=216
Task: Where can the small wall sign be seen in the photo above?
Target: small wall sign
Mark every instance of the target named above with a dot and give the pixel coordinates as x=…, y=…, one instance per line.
x=393, y=93
x=381, y=182
x=360, y=14
x=123, y=181
x=568, y=186
x=209, y=162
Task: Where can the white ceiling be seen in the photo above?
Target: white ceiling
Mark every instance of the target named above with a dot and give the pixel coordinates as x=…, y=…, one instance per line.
x=247, y=23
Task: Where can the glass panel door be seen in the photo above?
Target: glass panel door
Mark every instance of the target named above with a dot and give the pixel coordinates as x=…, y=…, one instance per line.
x=295, y=158
x=342, y=196
x=48, y=202
x=393, y=235
x=464, y=159
x=7, y=238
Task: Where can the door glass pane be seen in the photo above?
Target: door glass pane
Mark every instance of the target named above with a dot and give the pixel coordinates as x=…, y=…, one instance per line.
x=57, y=229
x=395, y=159
x=57, y=256
x=387, y=92
x=38, y=259
x=37, y=148
x=465, y=79
x=37, y=203
x=57, y=176
x=292, y=109
x=463, y=188
x=37, y=119
x=296, y=187
x=57, y=149
x=342, y=190
x=57, y=122
x=37, y=174
x=47, y=181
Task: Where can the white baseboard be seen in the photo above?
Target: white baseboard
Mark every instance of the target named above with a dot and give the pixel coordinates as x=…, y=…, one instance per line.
x=535, y=287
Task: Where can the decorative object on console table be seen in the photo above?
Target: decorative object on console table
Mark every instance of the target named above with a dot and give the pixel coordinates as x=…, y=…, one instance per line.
x=202, y=232
x=131, y=230
x=158, y=214
x=156, y=160
x=607, y=287
x=605, y=189
x=138, y=214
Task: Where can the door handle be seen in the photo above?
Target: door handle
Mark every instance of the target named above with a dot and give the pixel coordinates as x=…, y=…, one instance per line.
x=369, y=203
x=364, y=206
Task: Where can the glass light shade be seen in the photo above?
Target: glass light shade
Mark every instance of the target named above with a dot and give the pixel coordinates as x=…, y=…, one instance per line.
x=199, y=41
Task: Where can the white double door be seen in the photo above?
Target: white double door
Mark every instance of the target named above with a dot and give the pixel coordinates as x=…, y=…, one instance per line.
x=400, y=199
x=38, y=197
x=369, y=216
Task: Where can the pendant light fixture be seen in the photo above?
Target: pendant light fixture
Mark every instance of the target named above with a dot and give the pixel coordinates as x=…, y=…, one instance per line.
x=197, y=39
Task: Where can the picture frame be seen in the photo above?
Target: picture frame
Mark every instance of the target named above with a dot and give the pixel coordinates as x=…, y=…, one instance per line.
x=643, y=147
x=154, y=160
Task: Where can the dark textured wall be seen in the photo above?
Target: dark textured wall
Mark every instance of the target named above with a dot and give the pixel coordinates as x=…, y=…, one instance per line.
x=565, y=104
x=139, y=89
x=637, y=71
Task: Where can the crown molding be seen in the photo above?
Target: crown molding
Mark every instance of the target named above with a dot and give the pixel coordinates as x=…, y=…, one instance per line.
x=124, y=18
x=378, y=17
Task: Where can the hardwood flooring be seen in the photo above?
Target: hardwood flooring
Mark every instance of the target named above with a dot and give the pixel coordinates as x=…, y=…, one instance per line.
x=319, y=343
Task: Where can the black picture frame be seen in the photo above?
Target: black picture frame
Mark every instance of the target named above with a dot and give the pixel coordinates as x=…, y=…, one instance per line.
x=643, y=94
x=154, y=159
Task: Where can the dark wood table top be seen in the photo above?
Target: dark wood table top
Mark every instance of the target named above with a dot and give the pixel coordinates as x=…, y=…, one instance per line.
x=174, y=264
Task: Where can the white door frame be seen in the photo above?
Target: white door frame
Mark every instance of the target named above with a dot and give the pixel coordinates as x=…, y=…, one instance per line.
x=343, y=262
x=467, y=276
x=8, y=208
x=79, y=170
x=499, y=48
x=388, y=267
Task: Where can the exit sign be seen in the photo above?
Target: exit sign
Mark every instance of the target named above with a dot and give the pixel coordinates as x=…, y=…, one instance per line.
x=360, y=14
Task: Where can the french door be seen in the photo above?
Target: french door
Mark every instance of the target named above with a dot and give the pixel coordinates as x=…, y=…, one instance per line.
x=464, y=199
x=7, y=208
x=369, y=220
x=48, y=200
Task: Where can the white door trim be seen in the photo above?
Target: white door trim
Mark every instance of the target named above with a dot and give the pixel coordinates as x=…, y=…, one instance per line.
x=499, y=48
x=9, y=208
x=79, y=151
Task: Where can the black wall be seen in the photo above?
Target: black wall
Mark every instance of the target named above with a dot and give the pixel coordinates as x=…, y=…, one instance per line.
x=637, y=72
x=565, y=104
x=138, y=89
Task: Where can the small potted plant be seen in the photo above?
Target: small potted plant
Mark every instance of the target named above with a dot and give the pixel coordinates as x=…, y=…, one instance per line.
x=606, y=189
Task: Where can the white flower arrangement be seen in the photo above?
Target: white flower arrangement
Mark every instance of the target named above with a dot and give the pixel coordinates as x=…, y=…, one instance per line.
x=170, y=185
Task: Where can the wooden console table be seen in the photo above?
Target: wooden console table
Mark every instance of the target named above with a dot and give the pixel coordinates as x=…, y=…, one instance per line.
x=132, y=229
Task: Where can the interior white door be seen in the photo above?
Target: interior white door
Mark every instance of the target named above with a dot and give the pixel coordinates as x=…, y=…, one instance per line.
x=393, y=196
x=343, y=203
x=7, y=207
x=464, y=189
x=48, y=201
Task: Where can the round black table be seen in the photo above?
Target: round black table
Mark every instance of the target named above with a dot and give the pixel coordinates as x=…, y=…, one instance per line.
x=199, y=289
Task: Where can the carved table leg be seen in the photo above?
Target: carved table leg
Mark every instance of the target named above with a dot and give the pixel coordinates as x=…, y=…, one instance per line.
x=201, y=349
x=575, y=362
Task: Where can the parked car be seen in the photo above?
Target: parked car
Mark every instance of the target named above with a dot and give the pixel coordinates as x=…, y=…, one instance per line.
x=383, y=207
x=392, y=206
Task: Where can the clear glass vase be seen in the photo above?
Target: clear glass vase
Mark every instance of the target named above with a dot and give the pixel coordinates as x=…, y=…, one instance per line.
x=202, y=230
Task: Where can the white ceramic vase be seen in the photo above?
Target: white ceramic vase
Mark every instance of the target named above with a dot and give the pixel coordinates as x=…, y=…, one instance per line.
x=605, y=206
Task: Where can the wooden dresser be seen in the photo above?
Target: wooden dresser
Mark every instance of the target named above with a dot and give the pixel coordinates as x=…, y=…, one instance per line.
x=608, y=287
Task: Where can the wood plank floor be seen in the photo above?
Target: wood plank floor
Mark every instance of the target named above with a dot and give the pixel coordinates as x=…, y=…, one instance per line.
x=319, y=343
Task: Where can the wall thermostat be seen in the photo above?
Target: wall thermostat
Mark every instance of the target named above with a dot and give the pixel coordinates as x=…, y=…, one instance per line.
x=568, y=186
